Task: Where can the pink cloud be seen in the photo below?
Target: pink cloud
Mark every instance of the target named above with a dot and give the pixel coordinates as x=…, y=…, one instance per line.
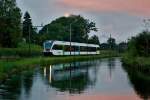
x=138, y=7
x=101, y=97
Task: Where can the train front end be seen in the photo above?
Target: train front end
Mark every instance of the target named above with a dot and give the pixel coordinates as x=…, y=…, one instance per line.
x=47, y=50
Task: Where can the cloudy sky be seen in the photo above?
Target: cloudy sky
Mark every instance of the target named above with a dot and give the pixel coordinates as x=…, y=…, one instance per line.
x=120, y=18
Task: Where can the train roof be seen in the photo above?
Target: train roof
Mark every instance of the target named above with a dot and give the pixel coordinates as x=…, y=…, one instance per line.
x=72, y=43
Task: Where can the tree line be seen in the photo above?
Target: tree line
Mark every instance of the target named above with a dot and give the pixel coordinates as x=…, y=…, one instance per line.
x=140, y=45
x=14, y=30
x=112, y=45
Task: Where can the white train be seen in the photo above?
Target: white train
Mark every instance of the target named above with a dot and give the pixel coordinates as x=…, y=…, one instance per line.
x=63, y=48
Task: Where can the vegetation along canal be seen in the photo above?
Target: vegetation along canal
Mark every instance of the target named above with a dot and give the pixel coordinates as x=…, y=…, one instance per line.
x=104, y=79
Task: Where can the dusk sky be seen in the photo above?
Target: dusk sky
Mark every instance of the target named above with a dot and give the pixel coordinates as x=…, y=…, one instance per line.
x=121, y=18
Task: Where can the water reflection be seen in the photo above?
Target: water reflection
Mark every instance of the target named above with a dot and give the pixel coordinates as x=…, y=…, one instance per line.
x=111, y=66
x=140, y=81
x=12, y=88
x=91, y=80
x=70, y=77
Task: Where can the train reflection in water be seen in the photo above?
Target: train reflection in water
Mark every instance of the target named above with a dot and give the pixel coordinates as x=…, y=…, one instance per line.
x=74, y=77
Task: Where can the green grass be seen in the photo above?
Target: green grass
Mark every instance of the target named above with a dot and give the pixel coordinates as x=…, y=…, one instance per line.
x=21, y=51
x=136, y=61
x=140, y=65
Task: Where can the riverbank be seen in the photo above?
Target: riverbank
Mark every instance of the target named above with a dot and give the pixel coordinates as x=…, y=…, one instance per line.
x=137, y=61
x=141, y=64
x=9, y=67
x=138, y=69
x=140, y=79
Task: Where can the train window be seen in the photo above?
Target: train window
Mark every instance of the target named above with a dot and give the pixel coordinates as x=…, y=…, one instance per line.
x=58, y=47
x=66, y=48
x=48, y=45
x=92, y=49
x=73, y=48
x=82, y=48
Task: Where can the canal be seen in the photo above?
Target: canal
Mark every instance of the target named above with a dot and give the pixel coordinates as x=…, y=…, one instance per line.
x=104, y=79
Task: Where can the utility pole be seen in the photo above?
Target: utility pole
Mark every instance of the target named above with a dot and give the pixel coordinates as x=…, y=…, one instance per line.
x=71, y=33
x=29, y=37
x=47, y=30
x=70, y=37
x=70, y=26
x=110, y=45
x=29, y=40
x=110, y=42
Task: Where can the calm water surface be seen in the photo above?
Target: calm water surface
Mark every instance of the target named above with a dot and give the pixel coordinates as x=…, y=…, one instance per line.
x=104, y=79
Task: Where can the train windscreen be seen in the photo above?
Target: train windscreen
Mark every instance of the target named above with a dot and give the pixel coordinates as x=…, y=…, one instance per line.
x=48, y=45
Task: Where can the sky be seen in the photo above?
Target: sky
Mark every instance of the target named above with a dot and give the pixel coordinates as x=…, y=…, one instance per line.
x=120, y=18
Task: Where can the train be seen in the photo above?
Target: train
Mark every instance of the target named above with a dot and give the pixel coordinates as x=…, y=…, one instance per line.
x=60, y=48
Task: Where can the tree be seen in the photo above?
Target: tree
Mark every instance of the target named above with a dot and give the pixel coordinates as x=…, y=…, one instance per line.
x=140, y=45
x=10, y=23
x=59, y=29
x=122, y=47
x=94, y=40
x=104, y=46
x=28, y=31
x=112, y=43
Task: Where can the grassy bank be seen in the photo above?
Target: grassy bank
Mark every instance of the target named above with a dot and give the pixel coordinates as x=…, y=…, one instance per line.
x=138, y=64
x=21, y=51
x=7, y=68
x=136, y=61
x=138, y=70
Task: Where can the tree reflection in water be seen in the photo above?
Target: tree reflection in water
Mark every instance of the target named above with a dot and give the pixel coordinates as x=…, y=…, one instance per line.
x=73, y=77
x=140, y=81
x=12, y=88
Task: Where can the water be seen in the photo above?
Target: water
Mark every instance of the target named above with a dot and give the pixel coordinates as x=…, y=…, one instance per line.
x=104, y=79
